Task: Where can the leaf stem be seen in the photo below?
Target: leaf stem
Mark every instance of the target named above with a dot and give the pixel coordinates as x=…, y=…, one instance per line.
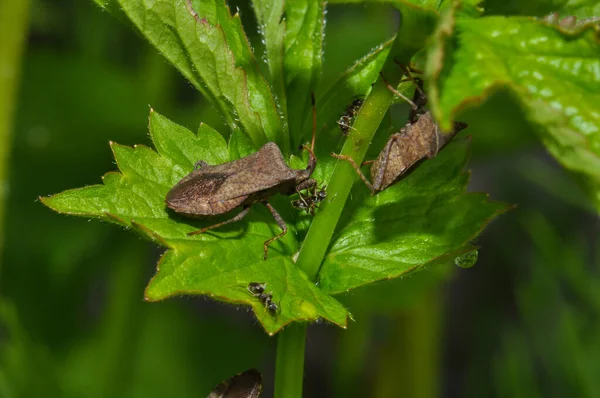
x=14, y=19
x=289, y=367
x=368, y=120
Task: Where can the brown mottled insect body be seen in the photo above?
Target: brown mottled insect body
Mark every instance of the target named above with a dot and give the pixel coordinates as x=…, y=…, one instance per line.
x=418, y=140
x=404, y=150
x=212, y=190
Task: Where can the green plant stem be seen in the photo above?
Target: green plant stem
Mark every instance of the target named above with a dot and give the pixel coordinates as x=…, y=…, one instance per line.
x=289, y=367
x=14, y=19
x=368, y=120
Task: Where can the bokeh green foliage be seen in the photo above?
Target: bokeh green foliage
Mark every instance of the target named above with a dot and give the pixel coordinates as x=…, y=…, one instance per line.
x=73, y=323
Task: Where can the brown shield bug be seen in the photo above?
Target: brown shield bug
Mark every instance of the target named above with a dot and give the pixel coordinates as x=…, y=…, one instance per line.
x=213, y=190
x=418, y=140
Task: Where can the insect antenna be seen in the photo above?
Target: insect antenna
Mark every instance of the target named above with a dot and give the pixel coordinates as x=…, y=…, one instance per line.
x=314, y=121
x=312, y=162
x=408, y=71
x=397, y=93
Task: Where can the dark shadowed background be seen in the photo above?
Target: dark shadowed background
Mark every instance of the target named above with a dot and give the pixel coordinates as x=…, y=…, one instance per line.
x=523, y=322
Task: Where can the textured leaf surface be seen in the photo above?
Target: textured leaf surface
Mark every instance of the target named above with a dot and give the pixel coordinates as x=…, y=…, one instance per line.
x=269, y=15
x=430, y=4
x=555, y=74
x=425, y=217
x=354, y=82
x=211, y=50
x=578, y=8
x=303, y=60
x=221, y=263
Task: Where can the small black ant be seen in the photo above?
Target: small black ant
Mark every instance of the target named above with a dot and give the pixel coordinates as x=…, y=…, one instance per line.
x=258, y=290
x=311, y=201
x=349, y=115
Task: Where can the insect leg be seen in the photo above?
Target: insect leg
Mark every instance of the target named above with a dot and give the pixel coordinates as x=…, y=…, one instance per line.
x=353, y=164
x=398, y=93
x=310, y=183
x=301, y=197
x=279, y=222
x=314, y=122
x=347, y=126
x=437, y=139
x=238, y=217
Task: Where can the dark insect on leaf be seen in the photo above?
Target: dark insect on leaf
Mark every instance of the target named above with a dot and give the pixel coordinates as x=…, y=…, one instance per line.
x=418, y=140
x=267, y=300
x=256, y=288
x=273, y=308
x=310, y=202
x=347, y=118
x=213, y=190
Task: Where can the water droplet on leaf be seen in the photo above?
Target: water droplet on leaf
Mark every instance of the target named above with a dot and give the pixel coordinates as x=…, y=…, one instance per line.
x=467, y=260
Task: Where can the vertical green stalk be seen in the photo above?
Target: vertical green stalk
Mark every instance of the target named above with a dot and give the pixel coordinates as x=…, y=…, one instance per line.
x=368, y=120
x=290, y=346
x=289, y=366
x=14, y=18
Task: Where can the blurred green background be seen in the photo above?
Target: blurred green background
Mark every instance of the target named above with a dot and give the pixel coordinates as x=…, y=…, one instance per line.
x=522, y=323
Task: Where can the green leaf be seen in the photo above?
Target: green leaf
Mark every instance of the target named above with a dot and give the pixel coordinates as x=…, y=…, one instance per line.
x=175, y=142
x=303, y=61
x=211, y=50
x=240, y=146
x=356, y=81
x=554, y=73
x=427, y=217
x=578, y=8
x=269, y=15
x=429, y=4
x=219, y=264
x=187, y=271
